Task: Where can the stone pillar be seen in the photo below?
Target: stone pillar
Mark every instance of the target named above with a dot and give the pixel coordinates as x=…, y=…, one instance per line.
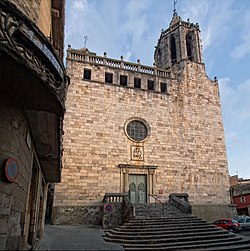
x=139, y=65
x=105, y=58
x=122, y=62
x=150, y=182
x=126, y=180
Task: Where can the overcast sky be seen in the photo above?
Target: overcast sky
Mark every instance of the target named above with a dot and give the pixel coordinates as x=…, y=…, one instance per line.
x=132, y=27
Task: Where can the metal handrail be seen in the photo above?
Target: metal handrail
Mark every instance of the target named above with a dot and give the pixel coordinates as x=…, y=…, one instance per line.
x=156, y=199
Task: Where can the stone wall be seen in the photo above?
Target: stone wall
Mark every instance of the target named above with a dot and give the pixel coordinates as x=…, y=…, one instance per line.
x=38, y=11
x=211, y=213
x=30, y=8
x=44, y=18
x=76, y=215
x=13, y=132
x=16, y=215
x=112, y=214
x=186, y=141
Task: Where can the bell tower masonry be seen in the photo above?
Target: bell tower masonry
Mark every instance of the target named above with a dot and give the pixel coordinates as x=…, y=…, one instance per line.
x=179, y=42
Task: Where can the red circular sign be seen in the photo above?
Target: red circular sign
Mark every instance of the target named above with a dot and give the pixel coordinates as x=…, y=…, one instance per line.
x=108, y=207
x=11, y=169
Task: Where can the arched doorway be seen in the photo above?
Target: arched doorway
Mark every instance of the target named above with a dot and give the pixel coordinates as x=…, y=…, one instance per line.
x=137, y=188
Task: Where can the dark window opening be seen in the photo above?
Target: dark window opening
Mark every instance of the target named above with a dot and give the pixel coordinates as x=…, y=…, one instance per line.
x=123, y=80
x=137, y=82
x=173, y=50
x=108, y=77
x=151, y=85
x=87, y=74
x=189, y=47
x=163, y=87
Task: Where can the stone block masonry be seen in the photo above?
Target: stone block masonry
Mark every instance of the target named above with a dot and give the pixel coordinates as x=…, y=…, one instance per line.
x=185, y=142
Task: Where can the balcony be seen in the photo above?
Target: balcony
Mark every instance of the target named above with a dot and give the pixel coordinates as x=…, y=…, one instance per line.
x=32, y=73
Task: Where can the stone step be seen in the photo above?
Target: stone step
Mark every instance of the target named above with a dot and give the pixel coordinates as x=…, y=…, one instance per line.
x=168, y=235
x=169, y=223
x=163, y=231
x=172, y=239
x=164, y=224
x=158, y=209
x=160, y=217
x=163, y=220
x=158, y=236
x=164, y=228
x=166, y=206
x=151, y=230
x=172, y=229
x=208, y=245
x=170, y=217
x=153, y=214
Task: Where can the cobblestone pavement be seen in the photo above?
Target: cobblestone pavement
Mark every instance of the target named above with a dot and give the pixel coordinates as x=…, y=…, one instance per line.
x=84, y=237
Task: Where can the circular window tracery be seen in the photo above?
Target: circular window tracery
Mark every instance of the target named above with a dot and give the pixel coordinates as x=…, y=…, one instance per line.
x=137, y=130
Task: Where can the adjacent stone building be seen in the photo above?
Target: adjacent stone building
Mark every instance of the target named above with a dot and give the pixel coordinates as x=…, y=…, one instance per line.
x=32, y=104
x=141, y=130
x=240, y=194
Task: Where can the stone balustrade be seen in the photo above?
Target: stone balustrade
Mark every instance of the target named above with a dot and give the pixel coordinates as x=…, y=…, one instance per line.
x=180, y=200
x=116, y=209
x=85, y=56
x=114, y=197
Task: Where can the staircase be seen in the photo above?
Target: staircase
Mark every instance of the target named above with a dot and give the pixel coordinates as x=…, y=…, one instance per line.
x=147, y=210
x=166, y=228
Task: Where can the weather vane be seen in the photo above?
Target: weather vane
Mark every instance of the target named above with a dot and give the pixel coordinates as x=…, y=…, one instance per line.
x=85, y=41
x=175, y=2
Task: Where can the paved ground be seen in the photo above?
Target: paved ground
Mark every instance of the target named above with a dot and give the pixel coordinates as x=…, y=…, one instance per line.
x=245, y=233
x=84, y=237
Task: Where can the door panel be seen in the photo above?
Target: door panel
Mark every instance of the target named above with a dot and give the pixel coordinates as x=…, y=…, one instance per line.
x=142, y=193
x=137, y=188
x=132, y=192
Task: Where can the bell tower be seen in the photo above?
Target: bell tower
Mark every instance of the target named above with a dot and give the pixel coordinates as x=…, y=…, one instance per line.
x=181, y=41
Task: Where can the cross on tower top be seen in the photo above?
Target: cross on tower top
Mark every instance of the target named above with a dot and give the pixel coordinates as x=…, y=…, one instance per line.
x=175, y=2
x=85, y=41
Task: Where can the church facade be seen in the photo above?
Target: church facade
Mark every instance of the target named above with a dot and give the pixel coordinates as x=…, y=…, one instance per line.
x=141, y=130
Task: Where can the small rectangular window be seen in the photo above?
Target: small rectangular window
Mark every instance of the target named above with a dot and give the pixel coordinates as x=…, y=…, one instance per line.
x=137, y=82
x=87, y=74
x=163, y=87
x=123, y=80
x=108, y=77
x=151, y=85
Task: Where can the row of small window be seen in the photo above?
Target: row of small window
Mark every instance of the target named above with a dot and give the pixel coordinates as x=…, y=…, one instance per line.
x=124, y=81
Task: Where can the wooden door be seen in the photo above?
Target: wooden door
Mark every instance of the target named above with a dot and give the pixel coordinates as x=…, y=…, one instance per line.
x=138, y=188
